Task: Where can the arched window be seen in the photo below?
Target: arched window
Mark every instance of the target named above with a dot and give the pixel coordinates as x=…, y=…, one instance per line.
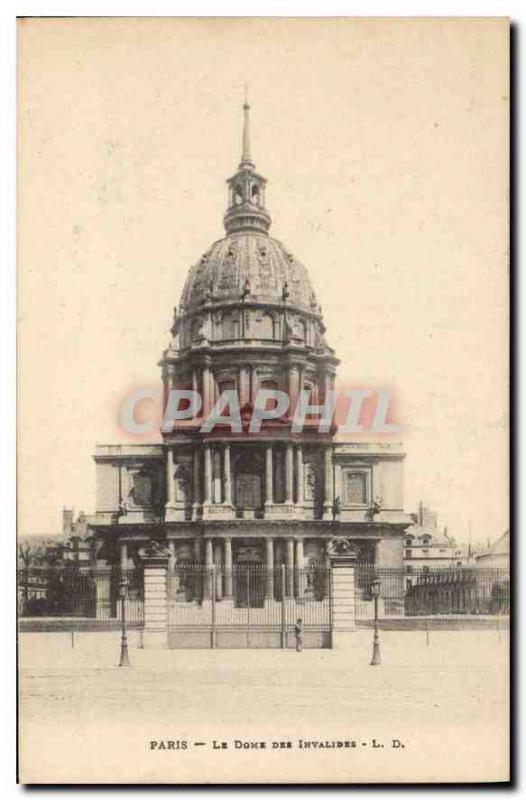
x=274, y=386
x=254, y=194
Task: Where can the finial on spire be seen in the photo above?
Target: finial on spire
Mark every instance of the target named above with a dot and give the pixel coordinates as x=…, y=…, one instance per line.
x=246, y=159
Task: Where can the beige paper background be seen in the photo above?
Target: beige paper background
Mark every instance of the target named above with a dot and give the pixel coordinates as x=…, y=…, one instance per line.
x=385, y=143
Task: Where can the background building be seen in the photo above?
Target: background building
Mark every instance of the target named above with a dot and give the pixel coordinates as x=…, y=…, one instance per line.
x=426, y=547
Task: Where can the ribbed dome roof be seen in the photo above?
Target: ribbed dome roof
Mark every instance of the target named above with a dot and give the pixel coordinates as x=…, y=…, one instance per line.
x=252, y=264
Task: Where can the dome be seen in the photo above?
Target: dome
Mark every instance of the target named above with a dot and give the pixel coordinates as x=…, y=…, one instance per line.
x=248, y=264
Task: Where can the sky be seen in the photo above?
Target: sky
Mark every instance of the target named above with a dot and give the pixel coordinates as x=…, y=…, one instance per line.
x=385, y=144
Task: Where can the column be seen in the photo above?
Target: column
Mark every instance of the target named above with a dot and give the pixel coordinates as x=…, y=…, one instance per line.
x=227, y=475
x=269, y=495
x=293, y=387
x=328, y=490
x=329, y=384
x=253, y=384
x=269, y=564
x=123, y=547
x=244, y=385
x=209, y=562
x=171, y=548
x=207, y=400
x=196, y=488
x=218, y=561
x=289, y=585
x=288, y=474
x=216, y=476
x=300, y=583
x=228, y=567
x=170, y=489
x=208, y=475
x=299, y=475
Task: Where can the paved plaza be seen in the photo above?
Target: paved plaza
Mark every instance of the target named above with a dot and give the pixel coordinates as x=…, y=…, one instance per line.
x=85, y=719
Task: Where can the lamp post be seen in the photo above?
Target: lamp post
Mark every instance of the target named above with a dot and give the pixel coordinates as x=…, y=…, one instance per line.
x=375, y=592
x=124, y=660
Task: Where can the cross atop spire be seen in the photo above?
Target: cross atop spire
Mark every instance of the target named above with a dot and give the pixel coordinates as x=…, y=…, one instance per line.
x=246, y=159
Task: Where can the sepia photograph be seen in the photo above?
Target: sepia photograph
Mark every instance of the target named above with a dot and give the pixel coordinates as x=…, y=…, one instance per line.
x=263, y=400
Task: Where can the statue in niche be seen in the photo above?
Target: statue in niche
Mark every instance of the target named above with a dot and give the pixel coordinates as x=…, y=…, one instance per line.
x=182, y=482
x=309, y=482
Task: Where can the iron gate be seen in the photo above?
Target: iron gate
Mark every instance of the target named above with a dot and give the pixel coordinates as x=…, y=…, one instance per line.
x=248, y=606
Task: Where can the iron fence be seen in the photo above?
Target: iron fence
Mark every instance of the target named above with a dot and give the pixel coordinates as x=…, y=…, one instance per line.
x=249, y=597
x=443, y=592
x=80, y=592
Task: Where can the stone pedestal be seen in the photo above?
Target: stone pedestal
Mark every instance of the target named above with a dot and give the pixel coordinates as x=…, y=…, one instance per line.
x=155, y=558
x=343, y=611
x=176, y=512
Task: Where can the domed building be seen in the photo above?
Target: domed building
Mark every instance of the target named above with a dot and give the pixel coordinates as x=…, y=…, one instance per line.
x=248, y=319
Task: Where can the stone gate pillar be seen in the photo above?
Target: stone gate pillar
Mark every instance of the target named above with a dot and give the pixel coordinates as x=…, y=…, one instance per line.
x=155, y=557
x=342, y=557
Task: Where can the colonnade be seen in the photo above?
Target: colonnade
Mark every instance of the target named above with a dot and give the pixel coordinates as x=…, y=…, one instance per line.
x=217, y=552
x=211, y=482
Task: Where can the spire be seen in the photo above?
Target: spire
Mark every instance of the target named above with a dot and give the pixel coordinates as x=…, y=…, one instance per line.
x=246, y=198
x=246, y=159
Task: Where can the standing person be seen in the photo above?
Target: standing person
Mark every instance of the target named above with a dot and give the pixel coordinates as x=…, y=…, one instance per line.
x=298, y=632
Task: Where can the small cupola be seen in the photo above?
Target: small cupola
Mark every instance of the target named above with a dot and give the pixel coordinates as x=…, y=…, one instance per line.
x=246, y=191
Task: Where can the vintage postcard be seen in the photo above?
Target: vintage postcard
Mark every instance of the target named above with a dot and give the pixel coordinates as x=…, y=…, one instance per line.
x=263, y=400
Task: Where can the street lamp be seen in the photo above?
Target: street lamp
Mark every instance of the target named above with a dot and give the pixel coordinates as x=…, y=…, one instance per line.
x=375, y=593
x=123, y=590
